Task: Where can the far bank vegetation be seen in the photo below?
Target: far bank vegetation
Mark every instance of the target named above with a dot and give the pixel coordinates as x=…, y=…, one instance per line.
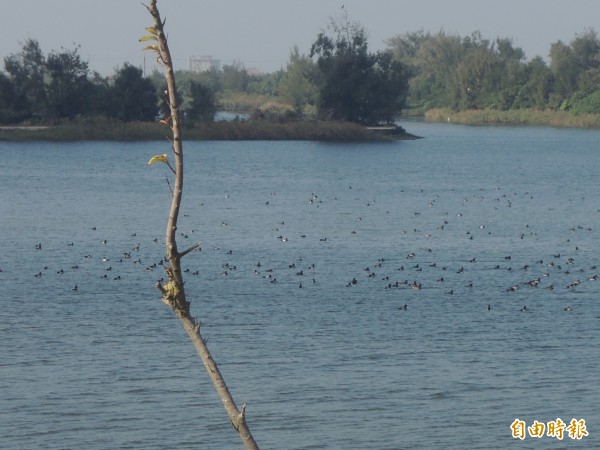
x=439, y=76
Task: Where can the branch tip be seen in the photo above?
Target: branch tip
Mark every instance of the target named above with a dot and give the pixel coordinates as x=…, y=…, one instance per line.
x=191, y=249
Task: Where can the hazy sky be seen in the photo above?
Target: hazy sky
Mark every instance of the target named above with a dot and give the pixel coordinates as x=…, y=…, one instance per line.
x=261, y=33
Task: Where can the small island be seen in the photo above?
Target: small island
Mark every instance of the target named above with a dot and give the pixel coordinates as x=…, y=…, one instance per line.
x=102, y=129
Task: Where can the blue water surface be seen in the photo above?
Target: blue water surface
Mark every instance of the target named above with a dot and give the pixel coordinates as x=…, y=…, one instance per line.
x=310, y=252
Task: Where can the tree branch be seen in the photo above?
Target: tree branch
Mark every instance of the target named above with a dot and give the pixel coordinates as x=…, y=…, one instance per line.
x=191, y=249
x=173, y=291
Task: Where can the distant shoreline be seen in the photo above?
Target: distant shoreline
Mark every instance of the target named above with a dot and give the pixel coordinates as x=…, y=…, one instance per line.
x=547, y=117
x=103, y=129
x=89, y=129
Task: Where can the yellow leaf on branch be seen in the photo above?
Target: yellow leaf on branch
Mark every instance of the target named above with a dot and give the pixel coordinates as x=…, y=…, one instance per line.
x=154, y=48
x=159, y=158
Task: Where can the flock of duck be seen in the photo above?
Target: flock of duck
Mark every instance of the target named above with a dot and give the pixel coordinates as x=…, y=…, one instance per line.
x=439, y=271
x=99, y=260
x=472, y=268
x=416, y=258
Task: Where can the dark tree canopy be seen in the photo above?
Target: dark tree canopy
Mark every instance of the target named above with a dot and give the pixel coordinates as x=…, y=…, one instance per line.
x=8, y=102
x=68, y=89
x=39, y=88
x=202, y=106
x=26, y=70
x=133, y=96
x=354, y=84
x=339, y=79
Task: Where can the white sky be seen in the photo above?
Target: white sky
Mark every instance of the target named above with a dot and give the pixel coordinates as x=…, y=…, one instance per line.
x=261, y=33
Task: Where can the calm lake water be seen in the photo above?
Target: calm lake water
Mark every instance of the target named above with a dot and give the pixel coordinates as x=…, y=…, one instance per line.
x=485, y=220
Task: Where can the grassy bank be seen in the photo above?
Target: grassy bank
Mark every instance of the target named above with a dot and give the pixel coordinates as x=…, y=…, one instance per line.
x=104, y=129
x=239, y=102
x=515, y=117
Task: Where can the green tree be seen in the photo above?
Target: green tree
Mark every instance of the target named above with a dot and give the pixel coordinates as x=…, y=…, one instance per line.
x=27, y=70
x=296, y=86
x=265, y=83
x=473, y=74
x=507, y=75
x=534, y=91
x=589, y=104
x=432, y=61
x=586, y=48
x=211, y=79
x=202, y=104
x=8, y=110
x=456, y=72
x=575, y=68
x=133, y=96
x=68, y=88
x=99, y=97
x=348, y=77
x=564, y=68
x=406, y=47
x=386, y=90
x=234, y=78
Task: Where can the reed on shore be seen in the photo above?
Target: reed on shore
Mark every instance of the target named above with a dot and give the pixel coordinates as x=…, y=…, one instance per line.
x=554, y=118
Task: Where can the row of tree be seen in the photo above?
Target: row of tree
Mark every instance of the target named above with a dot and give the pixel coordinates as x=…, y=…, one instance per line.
x=474, y=73
x=338, y=79
x=35, y=87
x=423, y=70
x=341, y=79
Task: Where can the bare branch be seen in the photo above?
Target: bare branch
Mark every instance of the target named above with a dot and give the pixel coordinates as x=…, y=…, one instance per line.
x=191, y=249
x=173, y=291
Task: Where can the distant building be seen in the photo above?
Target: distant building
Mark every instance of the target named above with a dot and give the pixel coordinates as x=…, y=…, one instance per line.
x=253, y=72
x=203, y=63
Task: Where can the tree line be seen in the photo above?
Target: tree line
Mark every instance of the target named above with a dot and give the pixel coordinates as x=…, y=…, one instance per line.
x=338, y=79
x=39, y=88
x=471, y=72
